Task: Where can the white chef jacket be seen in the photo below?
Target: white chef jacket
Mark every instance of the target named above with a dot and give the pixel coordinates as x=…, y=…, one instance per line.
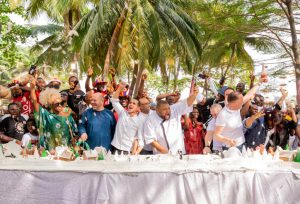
x=173, y=129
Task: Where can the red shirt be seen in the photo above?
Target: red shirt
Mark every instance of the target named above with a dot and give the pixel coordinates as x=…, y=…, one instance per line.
x=193, y=138
x=26, y=103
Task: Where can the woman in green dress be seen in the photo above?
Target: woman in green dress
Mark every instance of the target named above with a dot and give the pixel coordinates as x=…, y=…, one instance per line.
x=56, y=125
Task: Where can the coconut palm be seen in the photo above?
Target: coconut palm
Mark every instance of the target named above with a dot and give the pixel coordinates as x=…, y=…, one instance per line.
x=132, y=33
x=226, y=30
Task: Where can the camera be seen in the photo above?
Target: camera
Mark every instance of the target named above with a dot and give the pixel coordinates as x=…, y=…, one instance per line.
x=32, y=70
x=203, y=76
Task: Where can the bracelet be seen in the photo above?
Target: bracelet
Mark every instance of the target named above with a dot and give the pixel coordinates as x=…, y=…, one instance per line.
x=207, y=146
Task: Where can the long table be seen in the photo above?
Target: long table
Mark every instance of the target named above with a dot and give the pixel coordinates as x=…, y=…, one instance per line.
x=159, y=179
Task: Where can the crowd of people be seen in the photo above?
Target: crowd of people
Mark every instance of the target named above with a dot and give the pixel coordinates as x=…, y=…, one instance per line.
x=105, y=115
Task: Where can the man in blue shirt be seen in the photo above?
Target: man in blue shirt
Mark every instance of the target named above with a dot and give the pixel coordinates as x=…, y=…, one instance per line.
x=97, y=124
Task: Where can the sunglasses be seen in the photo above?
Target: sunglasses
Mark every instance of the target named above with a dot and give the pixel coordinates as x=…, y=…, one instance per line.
x=58, y=104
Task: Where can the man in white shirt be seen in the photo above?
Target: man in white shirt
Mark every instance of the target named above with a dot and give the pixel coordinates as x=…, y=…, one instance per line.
x=128, y=123
x=229, y=126
x=163, y=128
x=217, y=146
x=139, y=146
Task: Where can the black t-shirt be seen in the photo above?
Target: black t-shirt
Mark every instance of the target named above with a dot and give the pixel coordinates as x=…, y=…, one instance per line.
x=74, y=99
x=204, y=110
x=13, y=127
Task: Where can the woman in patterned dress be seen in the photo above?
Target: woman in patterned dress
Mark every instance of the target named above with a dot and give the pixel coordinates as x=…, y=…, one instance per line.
x=56, y=125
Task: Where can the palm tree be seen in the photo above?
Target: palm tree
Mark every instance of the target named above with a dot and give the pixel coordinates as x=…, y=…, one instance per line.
x=132, y=33
x=226, y=29
x=68, y=12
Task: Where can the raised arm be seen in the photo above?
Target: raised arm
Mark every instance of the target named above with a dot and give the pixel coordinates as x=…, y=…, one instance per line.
x=249, y=121
x=245, y=109
x=115, y=98
x=284, y=94
x=87, y=81
x=162, y=96
x=252, y=78
x=193, y=95
x=292, y=112
x=33, y=98
x=185, y=124
x=212, y=86
x=253, y=90
x=121, y=87
x=250, y=93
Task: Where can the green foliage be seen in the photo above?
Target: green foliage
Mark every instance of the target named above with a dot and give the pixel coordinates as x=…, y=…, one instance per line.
x=12, y=57
x=147, y=27
x=203, y=35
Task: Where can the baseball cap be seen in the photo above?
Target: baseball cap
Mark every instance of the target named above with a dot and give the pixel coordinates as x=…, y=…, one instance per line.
x=222, y=90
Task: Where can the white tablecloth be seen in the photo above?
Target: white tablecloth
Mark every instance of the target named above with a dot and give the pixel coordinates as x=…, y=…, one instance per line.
x=159, y=181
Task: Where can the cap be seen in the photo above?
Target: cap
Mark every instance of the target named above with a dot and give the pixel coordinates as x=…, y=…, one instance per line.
x=199, y=98
x=222, y=90
x=55, y=80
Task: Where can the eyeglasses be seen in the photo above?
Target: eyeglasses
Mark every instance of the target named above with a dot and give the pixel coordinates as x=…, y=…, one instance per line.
x=58, y=104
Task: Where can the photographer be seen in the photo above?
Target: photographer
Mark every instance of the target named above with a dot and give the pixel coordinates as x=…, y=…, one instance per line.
x=75, y=95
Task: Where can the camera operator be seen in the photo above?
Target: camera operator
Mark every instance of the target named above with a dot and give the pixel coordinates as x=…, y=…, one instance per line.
x=75, y=95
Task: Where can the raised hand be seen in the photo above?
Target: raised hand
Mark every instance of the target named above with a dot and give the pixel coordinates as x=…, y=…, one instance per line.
x=195, y=90
x=90, y=72
x=112, y=71
x=258, y=115
x=252, y=77
x=284, y=92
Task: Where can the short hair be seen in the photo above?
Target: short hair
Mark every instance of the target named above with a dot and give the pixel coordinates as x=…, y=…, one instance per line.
x=73, y=76
x=142, y=99
x=234, y=96
x=161, y=103
x=40, y=78
x=133, y=99
x=30, y=122
x=216, y=106
x=12, y=104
